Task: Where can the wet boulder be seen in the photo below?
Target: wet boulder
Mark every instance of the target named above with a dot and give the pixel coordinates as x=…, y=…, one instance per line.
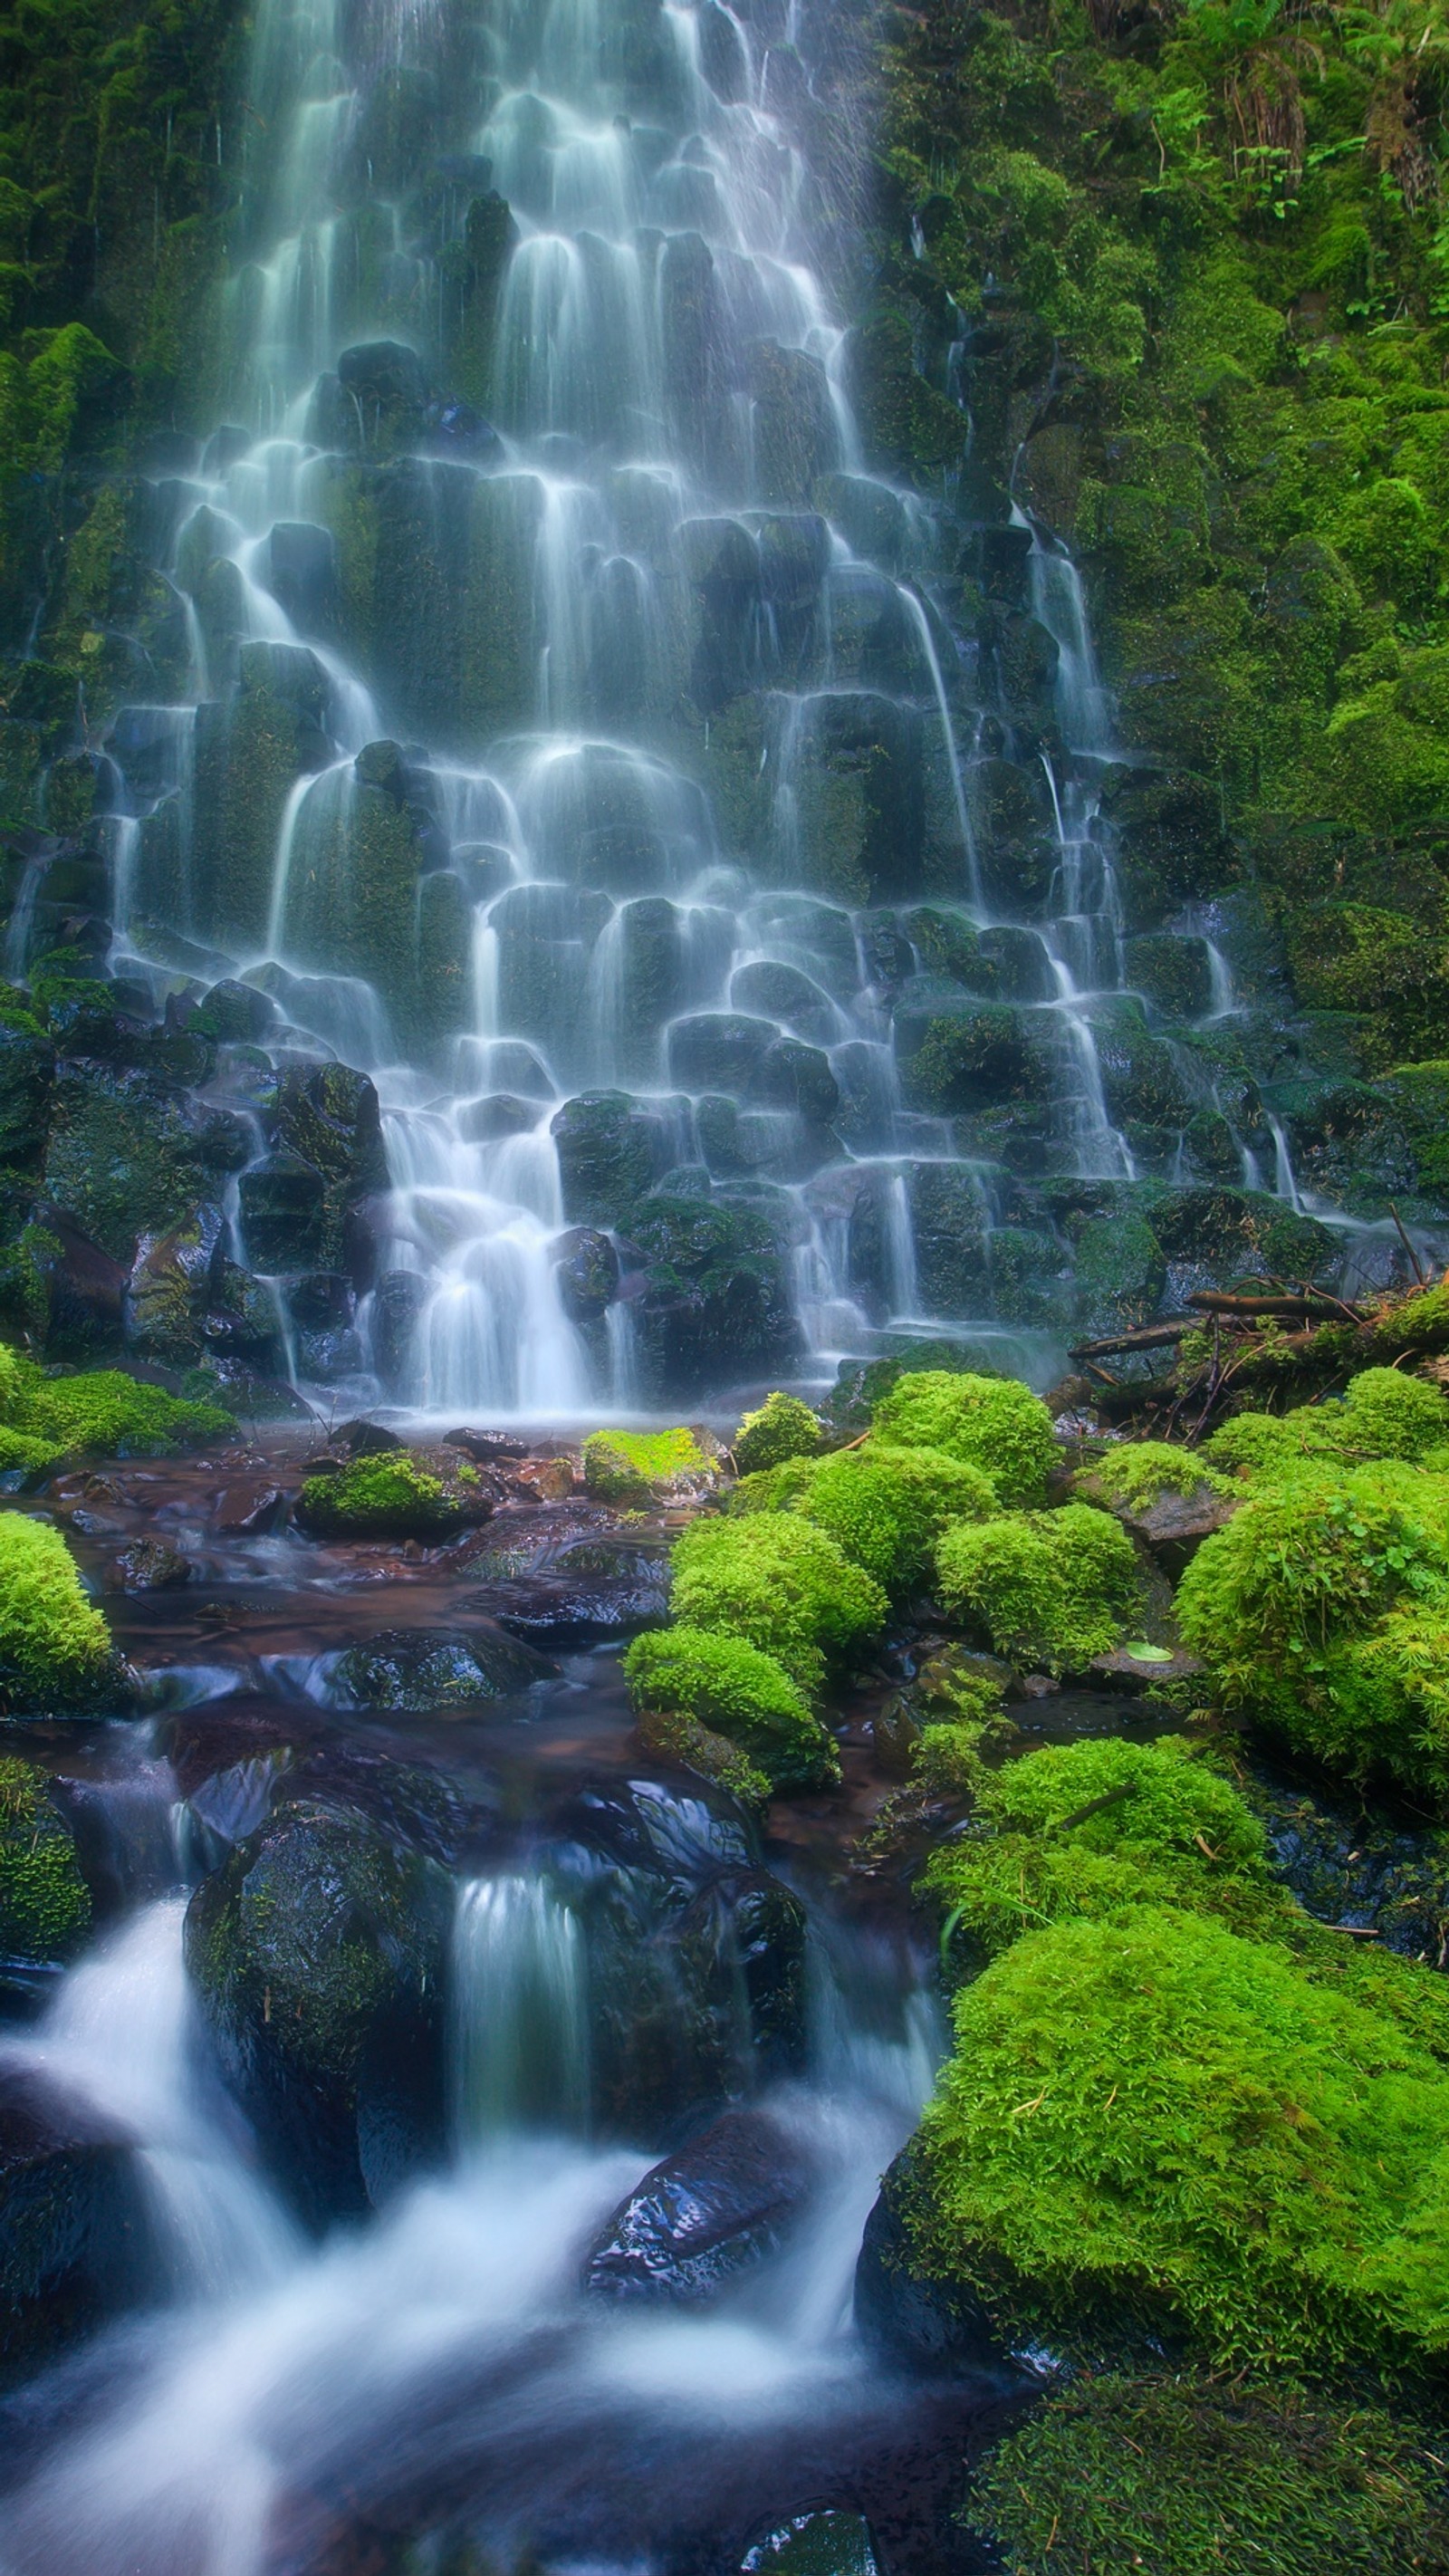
x=715, y=1307
x=45, y=1904
x=169, y=1287
x=147, y=1565
x=908, y=2317
x=586, y=1268
x=395, y=1493
x=611, y=1150
x=696, y=1954
x=299, y=1207
x=317, y=1952
x=78, y=1289
x=125, y=1156
x=27, y=1070
x=585, y=1597
x=706, y=2215
x=823, y=2541
x=420, y=1668
x=76, y=2243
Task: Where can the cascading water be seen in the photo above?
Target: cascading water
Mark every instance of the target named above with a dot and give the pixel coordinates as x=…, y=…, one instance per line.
x=444, y=2361
x=577, y=732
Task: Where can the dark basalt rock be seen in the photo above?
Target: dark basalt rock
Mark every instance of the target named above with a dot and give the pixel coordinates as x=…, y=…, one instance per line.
x=82, y=1287
x=574, y=1609
x=823, y=2542
x=586, y=1267
x=908, y=2318
x=705, y=2215
x=317, y=1953
x=76, y=2244
x=418, y=1668
x=486, y=1448
x=696, y=1955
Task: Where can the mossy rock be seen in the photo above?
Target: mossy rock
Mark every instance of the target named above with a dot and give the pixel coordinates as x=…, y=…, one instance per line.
x=730, y=1689
x=1201, y=2474
x=643, y=1467
x=396, y=1494
x=45, y=1903
x=317, y=1954
x=1258, y=2176
x=55, y=1650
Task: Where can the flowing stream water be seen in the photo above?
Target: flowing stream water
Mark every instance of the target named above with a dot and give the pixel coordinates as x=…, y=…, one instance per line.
x=441, y=2366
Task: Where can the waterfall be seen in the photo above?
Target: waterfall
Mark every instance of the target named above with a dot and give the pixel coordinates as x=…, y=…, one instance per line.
x=519, y=2013
x=585, y=714
x=121, y=2039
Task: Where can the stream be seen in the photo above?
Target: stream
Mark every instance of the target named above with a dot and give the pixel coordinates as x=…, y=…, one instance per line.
x=448, y=2367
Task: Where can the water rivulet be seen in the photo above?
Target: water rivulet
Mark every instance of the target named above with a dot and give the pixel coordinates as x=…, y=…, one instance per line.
x=559, y=713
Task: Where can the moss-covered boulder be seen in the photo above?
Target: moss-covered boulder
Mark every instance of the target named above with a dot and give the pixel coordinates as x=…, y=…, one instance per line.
x=692, y=1687
x=1153, y=2128
x=780, y=1584
x=55, y=1650
x=716, y=1306
x=995, y=1424
x=428, y=1494
x=126, y=1156
x=1051, y=1588
x=317, y=1954
x=1195, y=2469
x=641, y=1467
x=45, y=1903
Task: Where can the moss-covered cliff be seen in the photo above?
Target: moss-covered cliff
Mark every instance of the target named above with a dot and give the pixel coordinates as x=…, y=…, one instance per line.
x=1202, y=260
x=119, y=151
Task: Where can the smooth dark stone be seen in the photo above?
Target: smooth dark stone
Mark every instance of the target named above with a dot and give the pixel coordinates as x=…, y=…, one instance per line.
x=706, y=2215
x=76, y=2245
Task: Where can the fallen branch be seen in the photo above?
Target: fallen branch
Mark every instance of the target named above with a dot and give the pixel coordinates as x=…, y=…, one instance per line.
x=1294, y=1310
x=1146, y=1337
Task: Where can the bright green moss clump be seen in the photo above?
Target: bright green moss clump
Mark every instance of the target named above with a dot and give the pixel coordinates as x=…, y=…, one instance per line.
x=1137, y=1473
x=44, y=1418
x=1382, y=1415
x=1323, y=1612
x=1083, y=1830
x=885, y=1507
x=45, y=1906
x=1153, y=2126
x=392, y=1495
x=643, y=1466
x=1191, y=2476
x=778, y=1583
x=55, y=1650
x=996, y=1424
x=732, y=1690
x=1051, y=1588
x=782, y=1428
